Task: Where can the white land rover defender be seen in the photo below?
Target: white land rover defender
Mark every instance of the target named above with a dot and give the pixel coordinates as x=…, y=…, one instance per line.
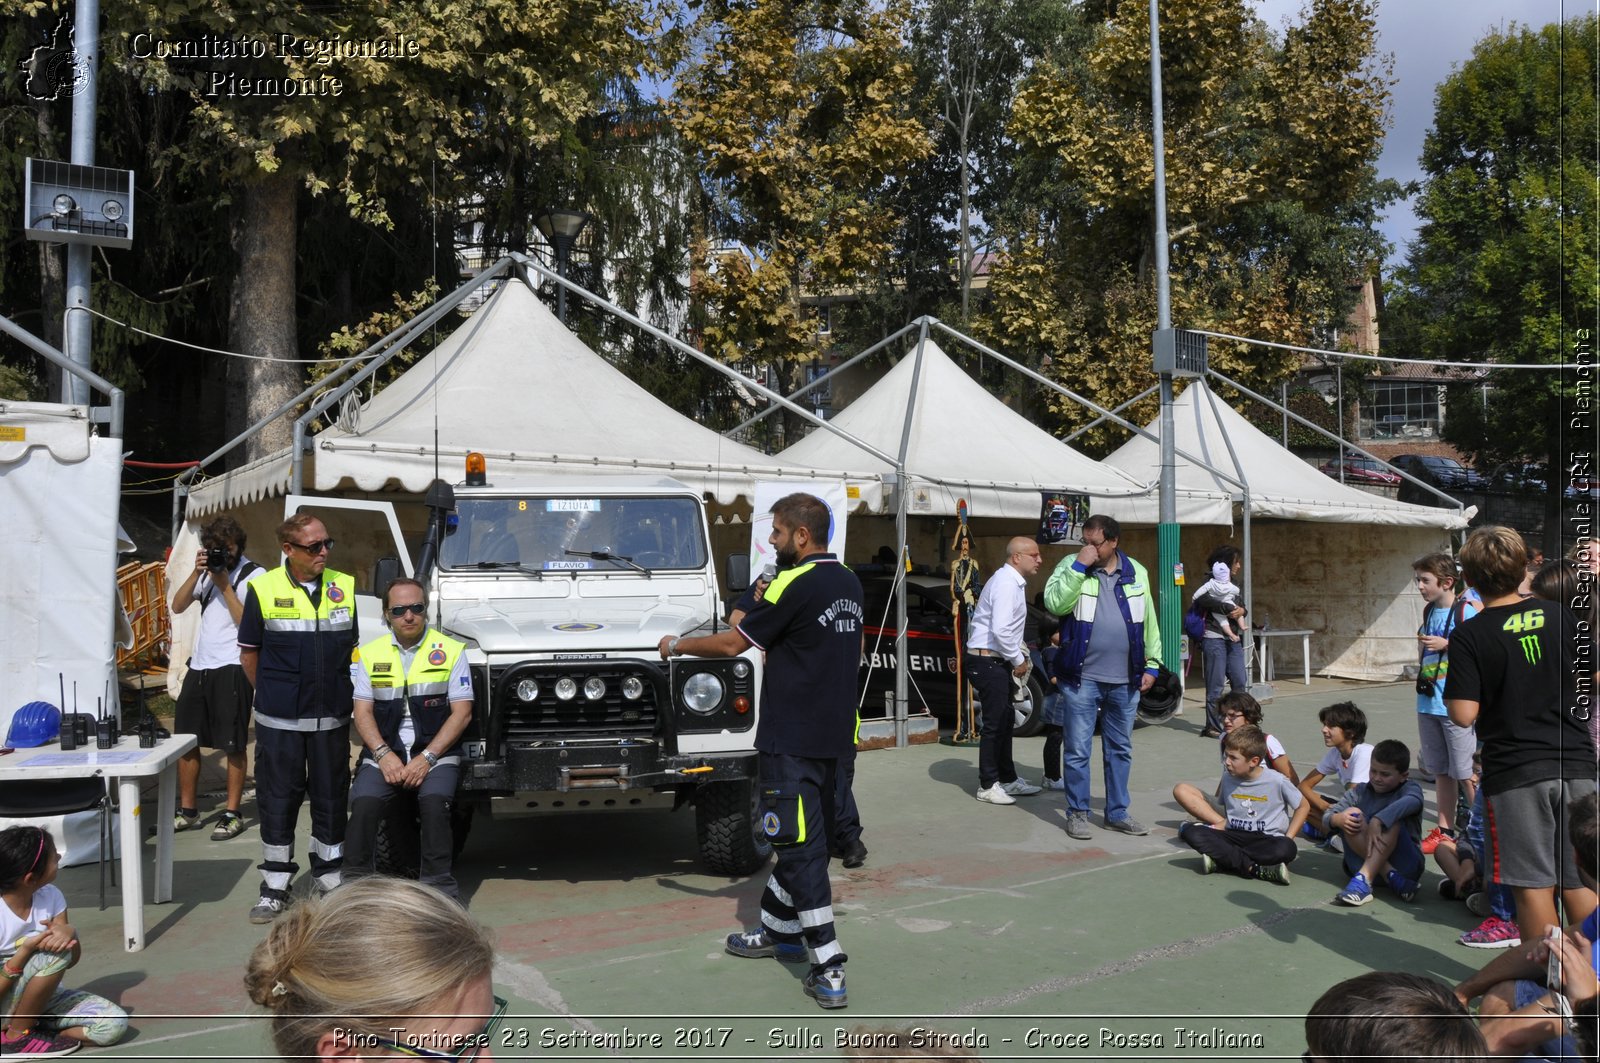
x=562, y=588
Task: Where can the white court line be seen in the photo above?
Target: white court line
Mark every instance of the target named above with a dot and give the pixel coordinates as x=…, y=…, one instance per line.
x=141, y=1042
x=977, y=891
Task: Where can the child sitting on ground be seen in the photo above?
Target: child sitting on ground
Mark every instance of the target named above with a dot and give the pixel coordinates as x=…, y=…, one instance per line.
x=1381, y=821
x=37, y=945
x=1237, y=710
x=1262, y=811
x=1221, y=587
x=1343, y=728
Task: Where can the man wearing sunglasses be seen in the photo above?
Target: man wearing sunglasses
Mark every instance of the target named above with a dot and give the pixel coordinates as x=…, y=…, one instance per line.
x=413, y=699
x=296, y=640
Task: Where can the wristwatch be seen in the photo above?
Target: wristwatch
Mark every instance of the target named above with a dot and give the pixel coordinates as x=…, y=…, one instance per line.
x=429, y=756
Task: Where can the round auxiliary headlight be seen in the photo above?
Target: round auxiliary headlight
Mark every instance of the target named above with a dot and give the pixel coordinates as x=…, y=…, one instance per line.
x=741, y=669
x=566, y=688
x=702, y=693
x=112, y=210
x=527, y=690
x=63, y=204
x=594, y=688
x=633, y=688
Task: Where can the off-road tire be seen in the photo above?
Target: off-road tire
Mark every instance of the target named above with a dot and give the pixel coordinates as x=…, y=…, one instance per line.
x=727, y=822
x=397, y=850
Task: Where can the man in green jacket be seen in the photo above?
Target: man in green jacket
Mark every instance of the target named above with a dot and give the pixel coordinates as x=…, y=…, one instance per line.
x=1110, y=653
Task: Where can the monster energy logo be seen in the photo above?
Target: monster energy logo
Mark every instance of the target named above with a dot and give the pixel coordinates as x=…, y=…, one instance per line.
x=1531, y=648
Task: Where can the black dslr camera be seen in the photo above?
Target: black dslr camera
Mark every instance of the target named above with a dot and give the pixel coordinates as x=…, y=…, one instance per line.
x=217, y=558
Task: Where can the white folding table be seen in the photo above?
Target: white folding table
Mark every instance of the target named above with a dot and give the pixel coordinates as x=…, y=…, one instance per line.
x=1264, y=655
x=128, y=764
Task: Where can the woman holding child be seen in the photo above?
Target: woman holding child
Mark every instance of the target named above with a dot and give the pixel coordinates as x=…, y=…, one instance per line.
x=1217, y=600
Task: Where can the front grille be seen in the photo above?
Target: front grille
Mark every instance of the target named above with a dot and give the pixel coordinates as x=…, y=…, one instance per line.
x=549, y=716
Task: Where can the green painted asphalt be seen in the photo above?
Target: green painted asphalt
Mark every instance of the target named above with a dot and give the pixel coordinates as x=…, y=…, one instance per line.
x=975, y=922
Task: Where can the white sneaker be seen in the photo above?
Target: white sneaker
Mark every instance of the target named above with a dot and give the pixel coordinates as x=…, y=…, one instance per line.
x=1019, y=787
x=1048, y=783
x=996, y=795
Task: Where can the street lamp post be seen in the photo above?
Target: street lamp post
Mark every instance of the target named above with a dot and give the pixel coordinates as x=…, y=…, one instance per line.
x=1167, y=531
x=561, y=229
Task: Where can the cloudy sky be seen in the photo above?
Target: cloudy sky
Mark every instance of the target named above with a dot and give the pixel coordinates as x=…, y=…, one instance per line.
x=1428, y=38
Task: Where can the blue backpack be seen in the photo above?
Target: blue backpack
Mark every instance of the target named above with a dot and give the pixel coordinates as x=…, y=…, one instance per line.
x=1194, y=623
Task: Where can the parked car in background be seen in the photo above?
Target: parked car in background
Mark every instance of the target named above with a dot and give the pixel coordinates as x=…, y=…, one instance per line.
x=1520, y=476
x=931, y=653
x=1445, y=474
x=1361, y=471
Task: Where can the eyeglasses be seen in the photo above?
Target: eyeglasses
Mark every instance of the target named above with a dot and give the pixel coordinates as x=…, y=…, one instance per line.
x=415, y=609
x=314, y=548
x=475, y=1043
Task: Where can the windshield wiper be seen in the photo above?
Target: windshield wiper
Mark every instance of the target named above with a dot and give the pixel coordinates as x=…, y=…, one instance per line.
x=514, y=565
x=601, y=555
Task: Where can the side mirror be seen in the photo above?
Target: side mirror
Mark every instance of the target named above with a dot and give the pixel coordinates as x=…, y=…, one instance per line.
x=384, y=571
x=738, y=570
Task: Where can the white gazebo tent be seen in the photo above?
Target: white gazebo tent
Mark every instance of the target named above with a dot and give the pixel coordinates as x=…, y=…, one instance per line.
x=512, y=383
x=516, y=385
x=958, y=441
x=1320, y=555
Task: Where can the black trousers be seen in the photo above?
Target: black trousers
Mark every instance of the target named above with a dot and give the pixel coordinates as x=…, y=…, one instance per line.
x=797, y=904
x=291, y=765
x=991, y=678
x=846, y=828
x=370, y=796
x=1239, y=851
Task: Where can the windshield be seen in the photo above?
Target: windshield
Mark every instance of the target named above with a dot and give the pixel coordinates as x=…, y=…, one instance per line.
x=561, y=534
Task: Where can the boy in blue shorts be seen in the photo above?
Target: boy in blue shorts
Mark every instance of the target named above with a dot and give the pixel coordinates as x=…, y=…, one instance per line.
x=1381, y=821
x=1446, y=748
x=1262, y=811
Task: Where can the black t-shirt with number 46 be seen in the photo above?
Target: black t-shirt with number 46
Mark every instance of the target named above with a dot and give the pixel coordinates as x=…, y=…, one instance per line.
x=1518, y=663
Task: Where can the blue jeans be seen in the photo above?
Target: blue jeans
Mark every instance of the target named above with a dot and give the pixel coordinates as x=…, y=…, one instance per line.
x=1223, y=660
x=1500, y=902
x=1118, y=702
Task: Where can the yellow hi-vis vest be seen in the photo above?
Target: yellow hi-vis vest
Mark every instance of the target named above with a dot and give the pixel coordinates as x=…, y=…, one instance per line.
x=303, y=671
x=422, y=691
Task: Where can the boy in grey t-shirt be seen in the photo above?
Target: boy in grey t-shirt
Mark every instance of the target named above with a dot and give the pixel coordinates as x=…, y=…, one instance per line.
x=1262, y=812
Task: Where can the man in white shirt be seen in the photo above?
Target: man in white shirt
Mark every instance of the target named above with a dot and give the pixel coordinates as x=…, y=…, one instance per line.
x=995, y=653
x=214, y=704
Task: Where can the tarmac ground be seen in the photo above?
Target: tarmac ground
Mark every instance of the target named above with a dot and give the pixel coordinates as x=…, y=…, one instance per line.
x=985, y=926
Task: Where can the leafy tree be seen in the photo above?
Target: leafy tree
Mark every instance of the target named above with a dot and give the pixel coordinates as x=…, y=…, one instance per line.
x=797, y=111
x=970, y=57
x=1502, y=268
x=369, y=105
x=1271, y=192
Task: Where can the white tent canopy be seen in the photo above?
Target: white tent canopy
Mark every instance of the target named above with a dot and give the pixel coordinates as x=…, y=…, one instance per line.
x=1281, y=484
x=1308, y=569
x=517, y=385
x=965, y=443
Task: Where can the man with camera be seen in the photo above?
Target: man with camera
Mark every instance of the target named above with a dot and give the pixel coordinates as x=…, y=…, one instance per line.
x=214, y=704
